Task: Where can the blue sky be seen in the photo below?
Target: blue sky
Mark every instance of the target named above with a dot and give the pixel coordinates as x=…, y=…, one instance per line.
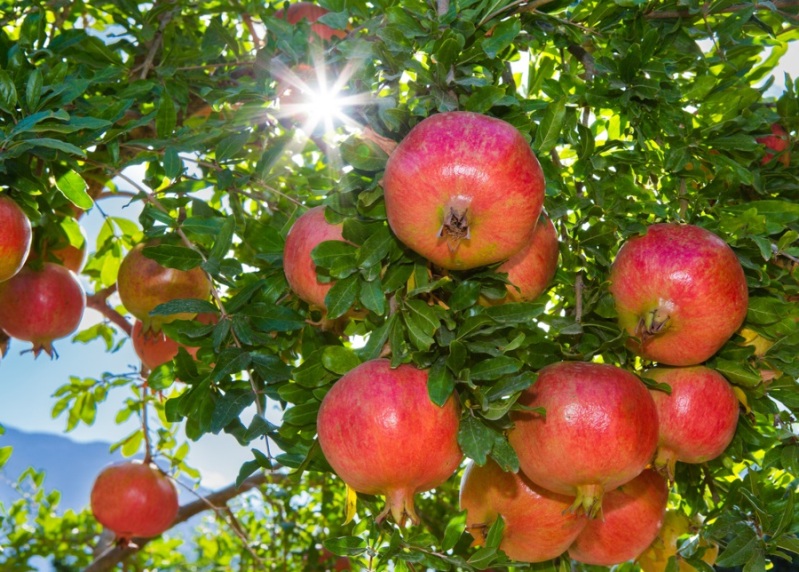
x=27, y=385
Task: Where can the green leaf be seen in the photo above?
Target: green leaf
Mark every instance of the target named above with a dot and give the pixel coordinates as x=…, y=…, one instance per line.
x=229, y=407
x=494, y=368
x=339, y=359
x=375, y=248
x=475, y=439
x=737, y=373
x=465, y=295
x=330, y=253
x=518, y=313
x=483, y=557
x=56, y=144
x=72, y=185
x=341, y=297
x=548, y=133
x=372, y=297
x=510, y=385
x=33, y=90
x=173, y=164
x=5, y=454
x=166, y=118
x=495, y=533
x=346, y=545
x=502, y=36
x=8, y=92
x=224, y=240
x=740, y=549
x=231, y=146
x=302, y=415
x=440, y=383
x=504, y=455
x=174, y=256
x=183, y=306
x=363, y=155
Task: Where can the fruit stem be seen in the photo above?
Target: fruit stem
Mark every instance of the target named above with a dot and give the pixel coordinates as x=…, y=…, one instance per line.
x=666, y=463
x=588, y=501
x=399, y=503
x=455, y=226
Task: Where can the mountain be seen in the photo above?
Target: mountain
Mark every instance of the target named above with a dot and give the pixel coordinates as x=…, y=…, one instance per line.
x=69, y=467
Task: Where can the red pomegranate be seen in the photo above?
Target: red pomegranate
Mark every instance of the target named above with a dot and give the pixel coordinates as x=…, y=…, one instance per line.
x=463, y=190
x=15, y=238
x=134, y=499
x=144, y=284
x=72, y=257
x=156, y=348
x=538, y=524
x=632, y=516
x=778, y=141
x=311, y=12
x=599, y=431
x=382, y=435
x=532, y=268
x=305, y=234
x=680, y=292
x=41, y=306
x=698, y=420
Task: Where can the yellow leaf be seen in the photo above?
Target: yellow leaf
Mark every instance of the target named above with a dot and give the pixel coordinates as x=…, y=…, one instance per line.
x=352, y=502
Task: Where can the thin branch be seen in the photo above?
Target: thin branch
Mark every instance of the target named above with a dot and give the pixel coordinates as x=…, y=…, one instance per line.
x=251, y=28
x=671, y=14
x=99, y=301
x=578, y=296
x=215, y=501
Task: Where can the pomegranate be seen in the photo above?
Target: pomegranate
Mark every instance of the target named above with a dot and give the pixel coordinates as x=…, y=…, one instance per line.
x=156, y=348
x=463, y=190
x=538, y=524
x=698, y=420
x=134, y=499
x=305, y=234
x=632, y=517
x=382, y=435
x=680, y=292
x=143, y=284
x=599, y=431
x=675, y=525
x=15, y=238
x=532, y=268
x=778, y=141
x=41, y=306
x=311, y=12
x=71, y=256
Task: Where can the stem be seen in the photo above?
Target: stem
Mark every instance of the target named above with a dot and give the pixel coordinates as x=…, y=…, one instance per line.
x=99, y=301
x=148, y=450
x=578, y=295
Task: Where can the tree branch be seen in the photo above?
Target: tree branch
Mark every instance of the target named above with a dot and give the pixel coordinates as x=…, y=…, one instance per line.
x=216, y=501
x=669, y=14
x=99, y=301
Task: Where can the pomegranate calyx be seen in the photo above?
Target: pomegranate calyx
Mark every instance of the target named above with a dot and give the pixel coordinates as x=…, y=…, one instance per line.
x=652, y=323
x=588, y=501
x=455, y=226
x=665, y=463
x=400, y=504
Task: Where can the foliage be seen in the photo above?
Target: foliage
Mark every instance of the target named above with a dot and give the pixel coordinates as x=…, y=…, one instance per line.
x=639, y=112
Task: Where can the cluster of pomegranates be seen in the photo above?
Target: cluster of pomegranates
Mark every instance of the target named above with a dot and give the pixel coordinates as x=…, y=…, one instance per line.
x=595, y=464
x=40, y=301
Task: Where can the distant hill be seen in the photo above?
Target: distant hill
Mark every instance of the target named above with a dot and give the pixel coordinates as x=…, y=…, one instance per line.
x=69, y=467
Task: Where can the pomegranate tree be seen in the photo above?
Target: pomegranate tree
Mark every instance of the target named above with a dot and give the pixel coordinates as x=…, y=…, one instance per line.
x=532, y=268
x=538, y=524
x=134, y=499
x=15, y=238
x=144, y=284
x=680, y=292
x=698, y=420
x=463, y=190
x=383, y=435
x=599, y=431
x=631, y=519
x=307, y=232
x=40, y=306
x=307, y=11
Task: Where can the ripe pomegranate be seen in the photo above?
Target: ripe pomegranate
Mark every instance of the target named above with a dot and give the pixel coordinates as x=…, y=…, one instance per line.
x=143, y=284
x=778, y=141
x=15, y=238
x=156, y=348
x=632, y=517
x=698, y=420
x=134, y=499
x=305, y=234
x=463, y=190
x=40, y=306
x=538, y=524
x=680, y=292
x=532, y=268
x=311, y=12
x=382, y=435
x=599, y=431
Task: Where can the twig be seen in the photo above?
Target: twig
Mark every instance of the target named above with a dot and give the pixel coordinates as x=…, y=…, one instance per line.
x=99, y=301
x=683, y=200
x=215, y=501
x=578, y=296
x=251, y=27
x=148, y=448
x=669, y=14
